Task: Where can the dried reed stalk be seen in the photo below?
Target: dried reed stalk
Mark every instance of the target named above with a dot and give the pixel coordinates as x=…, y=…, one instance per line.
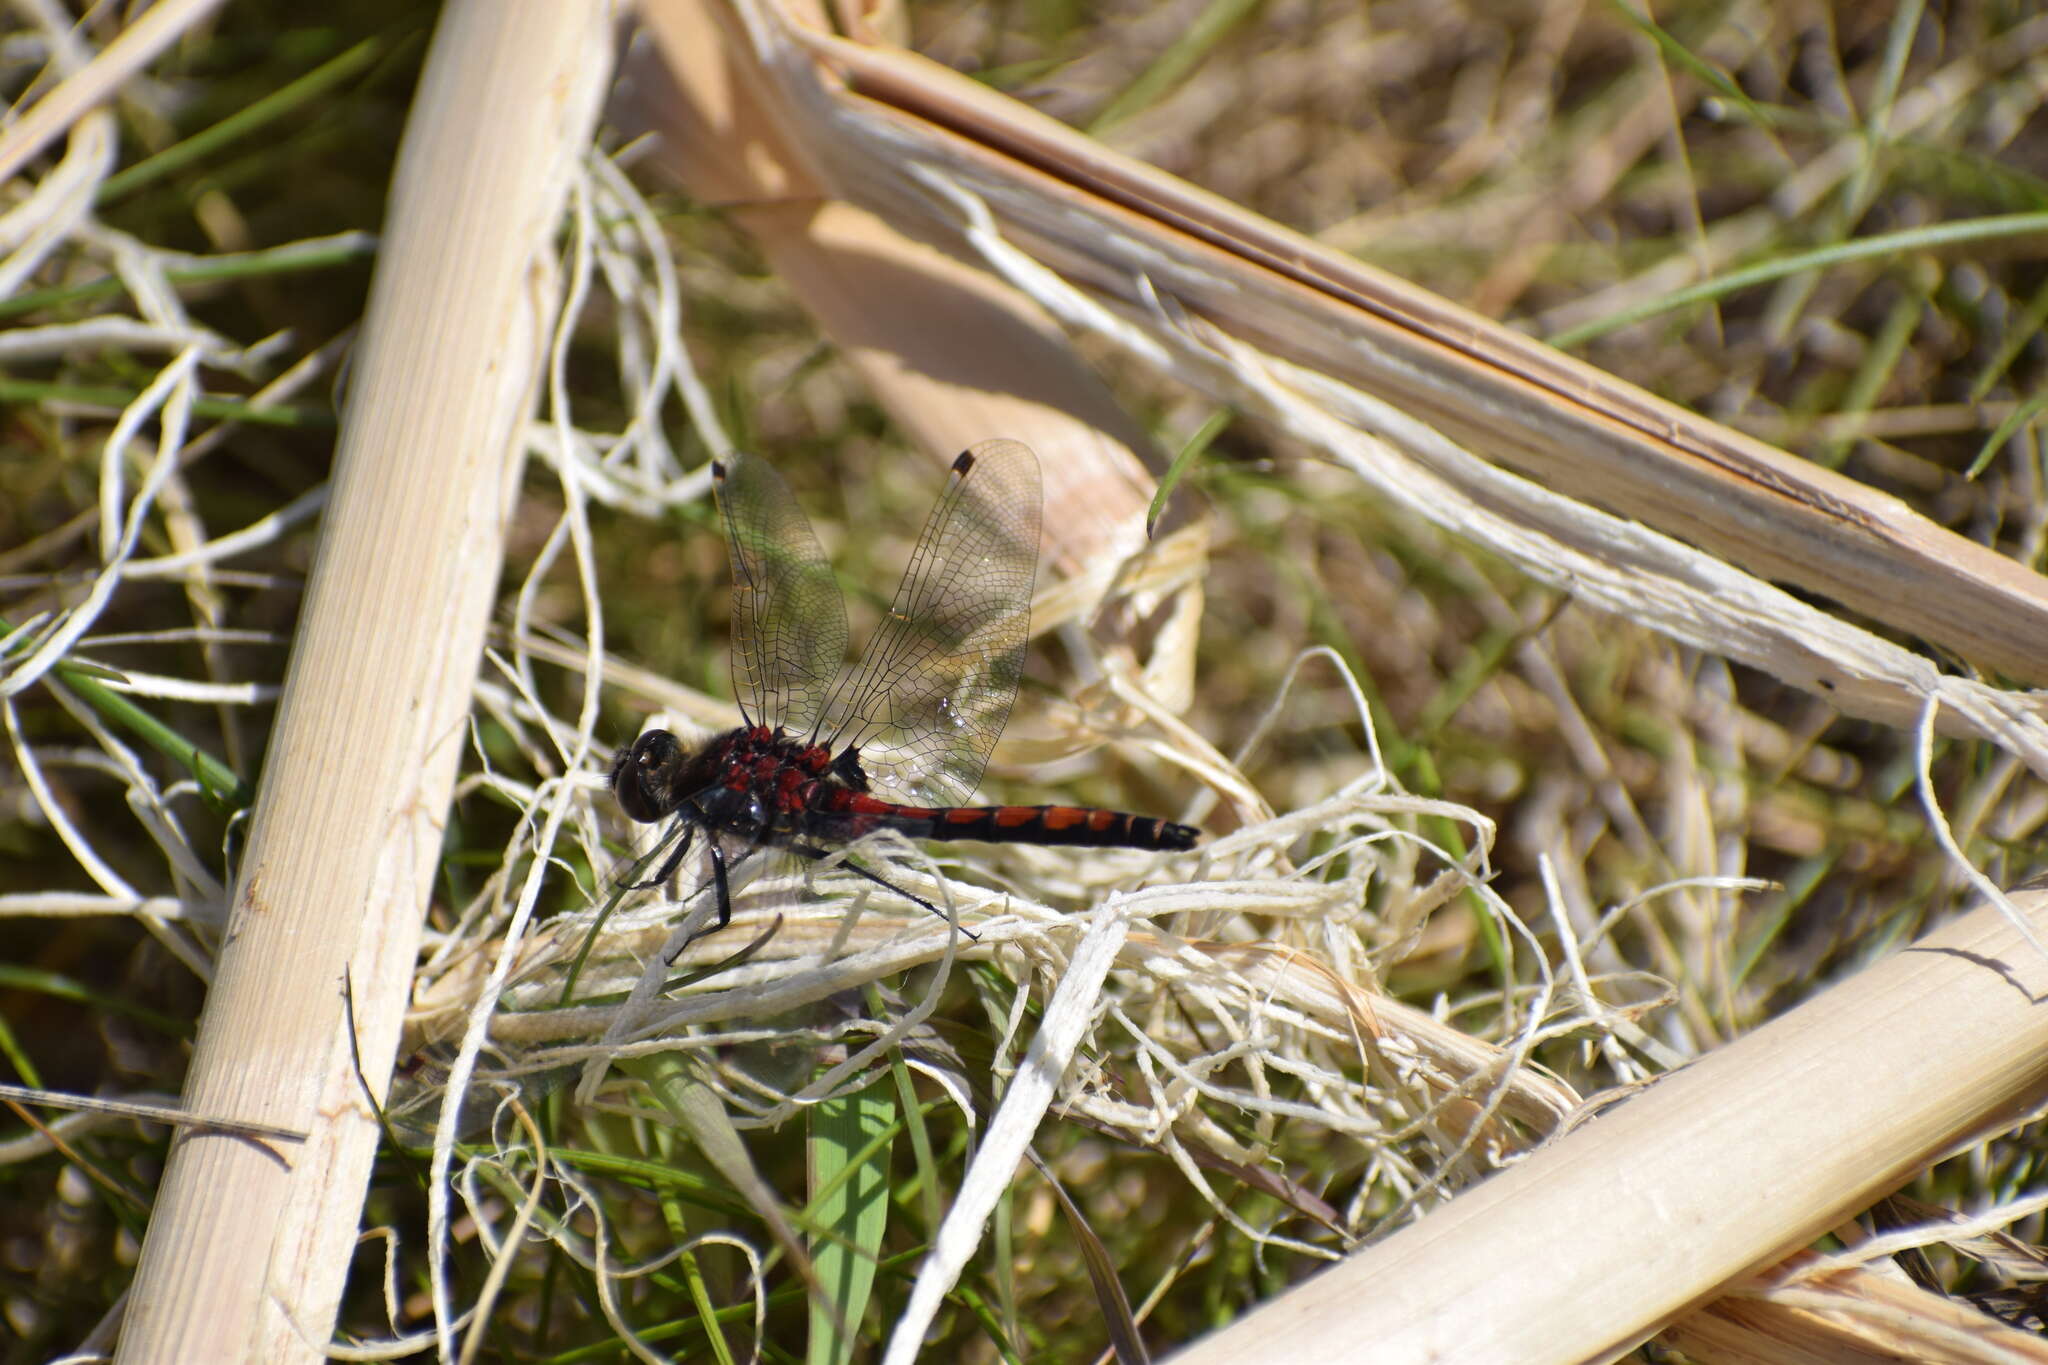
x=249, y=1243
x=1590, y=1245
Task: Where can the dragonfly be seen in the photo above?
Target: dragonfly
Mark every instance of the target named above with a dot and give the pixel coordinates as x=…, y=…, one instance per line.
x=826, y=755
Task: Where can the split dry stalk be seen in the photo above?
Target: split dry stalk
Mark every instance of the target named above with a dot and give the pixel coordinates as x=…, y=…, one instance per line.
x=1154, y=244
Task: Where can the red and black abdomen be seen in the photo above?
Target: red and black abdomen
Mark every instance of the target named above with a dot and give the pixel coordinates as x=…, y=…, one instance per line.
x=1073, y=826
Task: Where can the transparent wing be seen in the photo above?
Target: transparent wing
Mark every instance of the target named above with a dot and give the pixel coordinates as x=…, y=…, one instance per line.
x=788, y=617
x=934, y=689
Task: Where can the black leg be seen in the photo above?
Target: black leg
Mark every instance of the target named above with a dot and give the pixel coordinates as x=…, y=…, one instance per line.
x=668, y=864
x=718, y=879
x=814, y=854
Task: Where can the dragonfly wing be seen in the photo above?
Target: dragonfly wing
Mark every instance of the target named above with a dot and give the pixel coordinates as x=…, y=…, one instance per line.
x=932, y=693
x=788, y=616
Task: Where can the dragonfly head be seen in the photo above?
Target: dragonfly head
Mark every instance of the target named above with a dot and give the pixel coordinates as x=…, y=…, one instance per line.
x=646, y=776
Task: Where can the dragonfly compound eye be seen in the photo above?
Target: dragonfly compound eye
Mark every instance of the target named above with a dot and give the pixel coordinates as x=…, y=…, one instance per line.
x=643, y=776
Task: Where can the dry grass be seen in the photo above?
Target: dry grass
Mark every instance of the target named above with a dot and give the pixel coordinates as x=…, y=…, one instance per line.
x=1516, y=838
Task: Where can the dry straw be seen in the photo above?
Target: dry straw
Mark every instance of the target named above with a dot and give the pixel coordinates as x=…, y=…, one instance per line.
x=953, y=243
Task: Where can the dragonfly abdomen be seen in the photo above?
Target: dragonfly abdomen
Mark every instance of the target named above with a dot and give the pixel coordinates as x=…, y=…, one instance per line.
x=1076, y=826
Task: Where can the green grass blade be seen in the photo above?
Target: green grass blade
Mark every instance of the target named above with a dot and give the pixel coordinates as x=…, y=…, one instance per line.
x=849, y=1148
x=223, y=789
x=1218, y=422
x=315, y=253
x=2019, y=417
x=243, y=122
x=1172, y=66
x=1835, y=253
x=24, y=391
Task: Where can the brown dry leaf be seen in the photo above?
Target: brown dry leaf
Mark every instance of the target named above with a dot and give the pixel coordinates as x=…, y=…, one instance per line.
x=955, y=355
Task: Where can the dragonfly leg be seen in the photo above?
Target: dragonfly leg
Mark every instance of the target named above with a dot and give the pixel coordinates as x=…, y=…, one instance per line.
x=814, y=854
x=668, y=864
x=720, y=881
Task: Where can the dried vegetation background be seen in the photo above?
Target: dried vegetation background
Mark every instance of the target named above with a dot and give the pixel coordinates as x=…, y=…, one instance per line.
x=1564, y=855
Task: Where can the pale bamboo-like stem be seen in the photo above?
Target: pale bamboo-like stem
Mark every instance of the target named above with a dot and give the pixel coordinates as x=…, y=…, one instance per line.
x=249, y=1243
x=1597, y=1240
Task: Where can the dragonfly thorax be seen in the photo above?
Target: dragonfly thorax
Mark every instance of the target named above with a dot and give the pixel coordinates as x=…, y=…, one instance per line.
x=747, y=781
